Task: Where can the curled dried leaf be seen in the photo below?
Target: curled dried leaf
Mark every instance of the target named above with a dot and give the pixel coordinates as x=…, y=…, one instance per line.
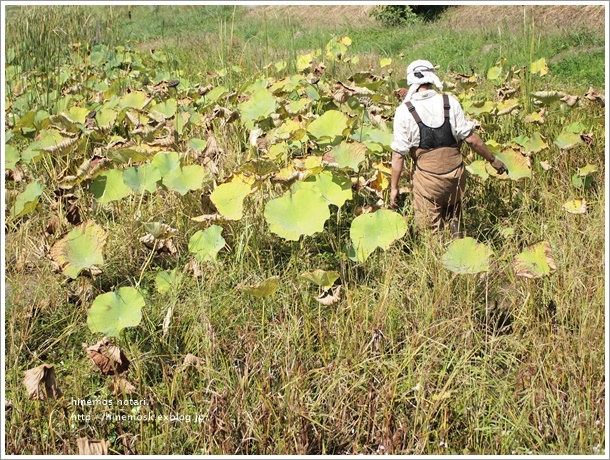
x=121, y=386
x=40, y=383
x=329, y=296
x=108, y=357
x=191, y=360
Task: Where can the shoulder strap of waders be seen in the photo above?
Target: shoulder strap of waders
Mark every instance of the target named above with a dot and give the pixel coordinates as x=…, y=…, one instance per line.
x=413, y=112
x=446, y=105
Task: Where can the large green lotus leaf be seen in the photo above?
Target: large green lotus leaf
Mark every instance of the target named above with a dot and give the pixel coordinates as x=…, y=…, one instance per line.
x=134, y=100
x=518, y=165
x=291, y=130
x=166, y=280
x=378, y=229
x=11, y=157
x=184, y=179
x=335, y=189
x=260, y=105
x=369, y=134
x=229, y=198
x=322, y=278
x=294, y=214
x=478, y=168
x=105, y=117
x=534, y=144
x=180, y=121
x=567, y=141
x=263, y=289
x=80, y=249
x=167, y=108
x=587, y=170
x=166, y=162
x=27, y=200
x=112, y=312
x=206, y=244
x=331, y=125
x=539, y=67
x=466, y=255
x=76, y=114
x=535, y=262
x=142, y=178
x=576, y=206
x=349, y=155
x=109, y=186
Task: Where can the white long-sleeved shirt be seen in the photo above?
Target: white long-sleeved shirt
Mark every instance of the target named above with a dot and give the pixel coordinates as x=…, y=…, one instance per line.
x=429, y=106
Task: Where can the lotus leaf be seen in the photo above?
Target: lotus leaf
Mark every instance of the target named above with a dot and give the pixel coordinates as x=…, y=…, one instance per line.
x=185, y=179
x=378, y=229
x=576, y=127
x=481, y=108
x=330, y=124
x=466, y=255
x=180, y=121
x=216, y=93
x=166, y=162
x=534, y=144
x=27, y=200
x=539, y=67
x=576, y=206
x=133, y=100
x=159, y=230
x=11, y=157
x=105, y=117
x=300, y=106
x=478, y=168
x=494, y=73
x=263, y=289
x=109, y=186
x=385, y=62
x=80, y=249
x=517, y=164
x=548, y=97
x=76, y=114
x=535, y=262
x=260, y=105
x=206, y=244
x=294, y=214
x=142, y=178
x=229, y=198
x=335, y=189
x=304, y=61
x=567, y=140
x=112, y=312
x=587, y=170
x=167, y=108
x=370, y=134
x=349, y=155
x=197, y=144
x=166, y=280
x=534, y=117
x=322, y=278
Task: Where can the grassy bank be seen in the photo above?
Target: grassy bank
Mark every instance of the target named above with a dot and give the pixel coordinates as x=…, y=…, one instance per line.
x=411, y=359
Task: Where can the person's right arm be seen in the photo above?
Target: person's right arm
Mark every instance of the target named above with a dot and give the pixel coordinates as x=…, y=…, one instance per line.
x=475, y=142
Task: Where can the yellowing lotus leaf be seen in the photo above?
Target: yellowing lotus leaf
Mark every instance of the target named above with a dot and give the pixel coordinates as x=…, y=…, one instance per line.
x=478, y=168
x=587, y=170
x=322, y=278
x=206, y=244
x=294, y=214
x=567, y=140
x=142, y=178
x=185, y=179
x=539, y=67
x=27, y=200
x=166, y=109
x=466, y=255
x=535, y=262
x=262, y=289
x=494, y=73
x=349, y=155
x=576, y=206
x=378, y=229
x=109, y=186
x=334, y=188
x=518, y=165
x=112, y=312
x=330, y=124
x=134, y=100
x=534, y=144
x=229, y=198
x=80, y=249
x=304, y=62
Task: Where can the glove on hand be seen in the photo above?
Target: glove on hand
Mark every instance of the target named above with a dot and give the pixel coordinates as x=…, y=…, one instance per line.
x=499, y=166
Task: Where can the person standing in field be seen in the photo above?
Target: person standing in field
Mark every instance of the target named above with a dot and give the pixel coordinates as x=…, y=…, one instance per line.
x=430, y=128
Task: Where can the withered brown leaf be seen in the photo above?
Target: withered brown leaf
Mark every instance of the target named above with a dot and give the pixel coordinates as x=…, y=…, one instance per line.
x=40, y=382
x=108, y=357
x=88, y=446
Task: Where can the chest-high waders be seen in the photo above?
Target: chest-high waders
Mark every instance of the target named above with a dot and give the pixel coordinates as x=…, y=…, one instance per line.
x=439, y=176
